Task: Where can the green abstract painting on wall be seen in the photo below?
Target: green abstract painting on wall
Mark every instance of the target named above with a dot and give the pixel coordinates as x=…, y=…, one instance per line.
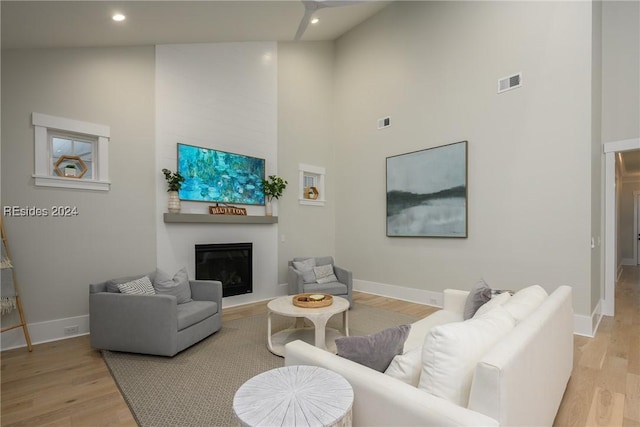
x=218, y=176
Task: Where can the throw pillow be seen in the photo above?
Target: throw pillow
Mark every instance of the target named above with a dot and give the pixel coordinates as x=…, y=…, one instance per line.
x=452, y=351
x=496, y=300
x=407, y=367
x=375, y=351
x=178, y=286
x=112, y=285
x=324, y=274
x=480, y=294
x=140, y=286
x=523, y=302
x=306, y=268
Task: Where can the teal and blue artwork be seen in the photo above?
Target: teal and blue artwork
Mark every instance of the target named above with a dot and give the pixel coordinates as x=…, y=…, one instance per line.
x=218, y=176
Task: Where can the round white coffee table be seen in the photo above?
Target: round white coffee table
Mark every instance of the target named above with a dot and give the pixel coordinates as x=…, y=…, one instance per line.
x=295, y=395
x=318, y=335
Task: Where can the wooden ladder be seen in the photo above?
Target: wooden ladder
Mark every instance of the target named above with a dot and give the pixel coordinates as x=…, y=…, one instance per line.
x=23, y=323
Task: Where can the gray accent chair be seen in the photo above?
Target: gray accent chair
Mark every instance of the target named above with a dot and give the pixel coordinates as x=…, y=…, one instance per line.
x=153, y=324
x=342, y=288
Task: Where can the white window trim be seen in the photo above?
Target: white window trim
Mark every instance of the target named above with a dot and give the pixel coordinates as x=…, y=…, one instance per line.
x=42, y=123
x=315, y=170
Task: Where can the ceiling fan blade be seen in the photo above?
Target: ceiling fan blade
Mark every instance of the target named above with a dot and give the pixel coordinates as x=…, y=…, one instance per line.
x=304, y=22
x=310, y=6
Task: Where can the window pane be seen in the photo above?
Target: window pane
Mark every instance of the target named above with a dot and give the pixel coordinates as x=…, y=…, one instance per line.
x=84, y=150
x=61, y=146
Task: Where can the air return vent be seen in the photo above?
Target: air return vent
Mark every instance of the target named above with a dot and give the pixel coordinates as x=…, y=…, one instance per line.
x=510, y=82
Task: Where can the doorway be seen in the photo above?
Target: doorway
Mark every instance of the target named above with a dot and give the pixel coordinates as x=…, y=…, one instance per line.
x=610, y=214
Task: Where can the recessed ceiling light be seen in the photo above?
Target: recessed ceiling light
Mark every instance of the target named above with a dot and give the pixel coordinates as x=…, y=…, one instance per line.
x=118, y=17
x=315, y=20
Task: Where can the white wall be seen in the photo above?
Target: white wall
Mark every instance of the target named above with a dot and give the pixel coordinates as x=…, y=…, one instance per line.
x=620, y=70
x=221, y=96
x=433, y=67
x=306, y=135
x=114, y=233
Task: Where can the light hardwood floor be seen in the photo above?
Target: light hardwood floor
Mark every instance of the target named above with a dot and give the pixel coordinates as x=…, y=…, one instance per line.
x=66, y=383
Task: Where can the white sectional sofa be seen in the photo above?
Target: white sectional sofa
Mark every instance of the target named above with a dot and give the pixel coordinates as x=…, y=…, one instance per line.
x=518, y=381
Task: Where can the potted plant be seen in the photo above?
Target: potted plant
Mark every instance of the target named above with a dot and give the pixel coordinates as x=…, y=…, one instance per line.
x=272, y=188
x=174, y=183
x=70, y=170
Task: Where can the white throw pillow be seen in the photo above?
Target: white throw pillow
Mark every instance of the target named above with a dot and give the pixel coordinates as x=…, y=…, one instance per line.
x=324, y=274
x=306, y=268
x=452, y=351
x=407, y=367
x=495, y=301
x=140, y=286
x=525, y=301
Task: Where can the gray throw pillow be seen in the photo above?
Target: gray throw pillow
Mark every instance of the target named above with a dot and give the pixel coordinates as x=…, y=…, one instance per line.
x=375, y=351
x=112, y=285
x=480, y=294
x=306, y=268
x=140, y=286
x=178, y=286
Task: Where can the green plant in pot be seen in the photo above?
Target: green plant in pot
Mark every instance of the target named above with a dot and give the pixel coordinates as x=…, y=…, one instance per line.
x=70, y=170
x=273, y=187
x=174, y=183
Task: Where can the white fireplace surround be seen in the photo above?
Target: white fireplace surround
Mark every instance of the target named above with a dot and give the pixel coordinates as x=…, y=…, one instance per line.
x=221, y=96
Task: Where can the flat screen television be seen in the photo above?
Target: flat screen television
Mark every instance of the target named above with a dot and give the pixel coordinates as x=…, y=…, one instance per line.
x=221, y=177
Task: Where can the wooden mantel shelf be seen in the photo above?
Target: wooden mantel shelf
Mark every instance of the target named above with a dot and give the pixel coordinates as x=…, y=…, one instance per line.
x=218, y=219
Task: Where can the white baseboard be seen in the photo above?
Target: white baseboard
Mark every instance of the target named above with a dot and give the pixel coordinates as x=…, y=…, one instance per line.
x=42, y=332
x=583, y=325
x=588, y=325
x=53, y=330
x=419, y=296
x=628, y=261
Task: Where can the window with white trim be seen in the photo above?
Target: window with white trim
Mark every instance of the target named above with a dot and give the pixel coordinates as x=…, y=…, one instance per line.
x=70, y=153
x=311, y=185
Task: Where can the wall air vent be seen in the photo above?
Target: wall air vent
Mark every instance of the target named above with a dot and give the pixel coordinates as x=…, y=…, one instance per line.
x=384, y=122
x=510, y=82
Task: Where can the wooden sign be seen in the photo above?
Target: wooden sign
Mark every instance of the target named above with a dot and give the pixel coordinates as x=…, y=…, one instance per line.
x=227, y=210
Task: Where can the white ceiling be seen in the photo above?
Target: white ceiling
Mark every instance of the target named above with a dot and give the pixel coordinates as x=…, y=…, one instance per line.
x=48, y=24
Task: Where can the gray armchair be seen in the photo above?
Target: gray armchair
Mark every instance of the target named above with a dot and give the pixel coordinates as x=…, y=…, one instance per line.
x=342, y=288
x=153, y=324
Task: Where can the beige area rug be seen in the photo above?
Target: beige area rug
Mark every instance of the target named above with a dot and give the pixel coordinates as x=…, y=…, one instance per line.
x=196, y=387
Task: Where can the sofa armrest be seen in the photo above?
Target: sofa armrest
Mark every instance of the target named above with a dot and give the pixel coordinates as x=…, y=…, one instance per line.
x=454, y=300
x=295, y=282
x=380, y=400
x=344, y=276
x=136, y=323
x=206, y=290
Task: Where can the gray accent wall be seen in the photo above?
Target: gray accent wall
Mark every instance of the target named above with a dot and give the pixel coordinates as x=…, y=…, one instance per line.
x=114, y=232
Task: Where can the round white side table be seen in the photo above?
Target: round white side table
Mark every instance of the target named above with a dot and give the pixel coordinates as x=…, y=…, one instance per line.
x=294, y=396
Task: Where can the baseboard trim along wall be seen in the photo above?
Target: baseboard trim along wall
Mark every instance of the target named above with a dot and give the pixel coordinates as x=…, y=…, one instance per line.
x=42, y=332
x=55, y=330
x=583, y=325
x=419, y=296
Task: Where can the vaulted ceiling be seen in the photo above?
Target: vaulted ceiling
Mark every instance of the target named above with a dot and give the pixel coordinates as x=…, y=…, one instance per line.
x=47, y=24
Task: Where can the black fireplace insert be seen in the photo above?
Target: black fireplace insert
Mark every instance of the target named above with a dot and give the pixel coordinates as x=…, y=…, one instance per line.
x=230, y=263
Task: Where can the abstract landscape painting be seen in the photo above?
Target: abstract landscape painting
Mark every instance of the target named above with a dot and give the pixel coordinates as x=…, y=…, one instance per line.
x=427, y=192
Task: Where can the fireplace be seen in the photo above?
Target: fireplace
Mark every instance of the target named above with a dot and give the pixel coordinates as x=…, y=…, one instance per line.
x=230, y=263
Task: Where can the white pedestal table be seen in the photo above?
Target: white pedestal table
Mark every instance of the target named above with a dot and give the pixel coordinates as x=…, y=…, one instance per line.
x=318, y=335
